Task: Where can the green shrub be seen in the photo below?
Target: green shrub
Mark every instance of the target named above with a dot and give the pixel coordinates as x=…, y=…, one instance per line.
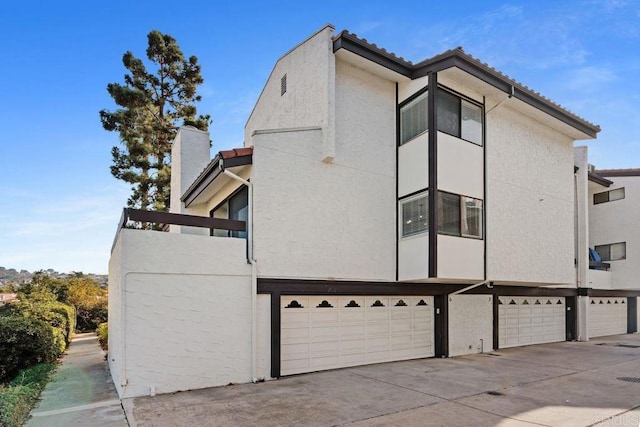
x=103, y=335
x=25, y=342
x=17, y=399
x=90, y=317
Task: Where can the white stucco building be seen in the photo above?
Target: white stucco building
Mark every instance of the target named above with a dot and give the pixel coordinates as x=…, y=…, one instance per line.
x=393, y=211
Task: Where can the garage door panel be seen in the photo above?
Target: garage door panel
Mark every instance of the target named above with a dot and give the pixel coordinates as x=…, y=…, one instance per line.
x=526, y=320
x=325, y=333
x=607, y=316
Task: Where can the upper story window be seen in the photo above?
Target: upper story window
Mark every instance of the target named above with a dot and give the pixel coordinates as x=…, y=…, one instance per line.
x=459, y=117
x=608, y=196
x=612, y=251
x=457, y=215
x=456, y=116
x=235, y=207
x=413, y=118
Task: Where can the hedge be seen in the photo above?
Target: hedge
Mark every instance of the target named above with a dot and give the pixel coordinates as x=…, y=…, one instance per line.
x=25, y=342
x=21, y=395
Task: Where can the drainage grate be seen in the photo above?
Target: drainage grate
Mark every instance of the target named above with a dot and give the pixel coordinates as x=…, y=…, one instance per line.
x=630, y=379
x=496, y=393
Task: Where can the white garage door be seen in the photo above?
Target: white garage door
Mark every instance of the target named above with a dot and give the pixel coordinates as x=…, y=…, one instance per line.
x=320, y=333
x=530, y=320
x=607, y=316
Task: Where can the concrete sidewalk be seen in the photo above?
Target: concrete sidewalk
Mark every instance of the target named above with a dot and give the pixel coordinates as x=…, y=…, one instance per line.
x=561, y=384
x=81, y=392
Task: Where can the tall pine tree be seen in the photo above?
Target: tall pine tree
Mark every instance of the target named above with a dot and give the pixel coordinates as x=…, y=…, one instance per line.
x=151, y=106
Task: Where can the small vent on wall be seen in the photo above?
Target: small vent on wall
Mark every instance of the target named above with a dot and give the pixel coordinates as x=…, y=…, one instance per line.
x=283, y=85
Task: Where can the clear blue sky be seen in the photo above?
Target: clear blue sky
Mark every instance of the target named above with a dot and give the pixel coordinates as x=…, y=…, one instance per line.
x=59, y=205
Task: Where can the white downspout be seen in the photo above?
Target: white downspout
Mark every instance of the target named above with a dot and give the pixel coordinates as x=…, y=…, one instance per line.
x=254, y=274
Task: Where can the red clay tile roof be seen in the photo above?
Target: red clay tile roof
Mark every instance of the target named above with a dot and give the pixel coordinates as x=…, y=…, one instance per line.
x=236, y=152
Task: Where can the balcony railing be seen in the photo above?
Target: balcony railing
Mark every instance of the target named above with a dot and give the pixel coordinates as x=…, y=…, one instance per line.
x=165, y=219
x=599, y=265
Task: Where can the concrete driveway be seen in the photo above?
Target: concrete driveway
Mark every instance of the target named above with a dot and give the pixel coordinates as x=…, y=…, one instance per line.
x=562, y=384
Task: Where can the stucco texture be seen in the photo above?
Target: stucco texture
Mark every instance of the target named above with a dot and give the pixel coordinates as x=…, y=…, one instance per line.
x=529, y=201
x=183, y=306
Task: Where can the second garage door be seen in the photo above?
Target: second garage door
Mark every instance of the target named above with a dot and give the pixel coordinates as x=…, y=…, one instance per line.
x=530, y=320
x=319, y=333
x=607, y=316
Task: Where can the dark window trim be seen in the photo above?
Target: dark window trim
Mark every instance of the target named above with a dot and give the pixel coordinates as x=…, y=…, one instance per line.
x=401, y=105
x=471, y=101
x=460, y=222
x=407, y=199
x=413, y=193
x=611, y=244
x=226, y=200
x=608, y=193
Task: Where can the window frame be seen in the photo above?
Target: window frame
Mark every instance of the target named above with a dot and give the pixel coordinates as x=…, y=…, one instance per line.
x=461, y=206
x=461, y=214
x=407, y=199
x=227, y=201
x=609, y=245
x=422, y=92
x=608, y=194
x=473, y=102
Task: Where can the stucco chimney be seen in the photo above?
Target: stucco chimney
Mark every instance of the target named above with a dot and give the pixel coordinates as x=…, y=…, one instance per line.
x=189, y=156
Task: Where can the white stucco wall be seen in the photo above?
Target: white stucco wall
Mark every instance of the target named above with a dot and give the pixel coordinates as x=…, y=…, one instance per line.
x=413, y=165
x=406, y=88
x=618, y=221
x=335, y=220
x=183, y=307
x=470, y=324
x=529, y=202
x=189, y=157
x=309, y=99
x=460, y=258
x=413, y=258
x=460, y=166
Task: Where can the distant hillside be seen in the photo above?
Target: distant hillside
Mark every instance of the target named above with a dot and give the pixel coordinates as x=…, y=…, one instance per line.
x=11, y=275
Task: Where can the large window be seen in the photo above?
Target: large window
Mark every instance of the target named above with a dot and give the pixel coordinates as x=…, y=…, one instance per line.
x=457, y=215
x=608, y=196
x=459, y=117
x=612, y=251
x=413, y=118
x=415, y=215
x=235, y=207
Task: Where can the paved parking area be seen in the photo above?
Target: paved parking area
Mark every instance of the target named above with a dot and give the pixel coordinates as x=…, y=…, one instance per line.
x=562, y=384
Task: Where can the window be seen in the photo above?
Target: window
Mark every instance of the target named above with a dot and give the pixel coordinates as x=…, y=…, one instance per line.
x=283, y=85
x=613, y=251
x=235, y=207
x=608, y=196
x=457, y=215
x=413, y=118
x=459, y=117
x=415, y=215
x=449, y=214
x=471, y=225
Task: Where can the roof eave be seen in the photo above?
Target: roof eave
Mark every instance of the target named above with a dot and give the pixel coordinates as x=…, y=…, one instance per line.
x=599, y=180
x=458, y=58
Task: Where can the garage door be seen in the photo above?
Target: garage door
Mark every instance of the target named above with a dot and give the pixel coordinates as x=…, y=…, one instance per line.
x=607, y=316
x=527, y=320
x=320, y=333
